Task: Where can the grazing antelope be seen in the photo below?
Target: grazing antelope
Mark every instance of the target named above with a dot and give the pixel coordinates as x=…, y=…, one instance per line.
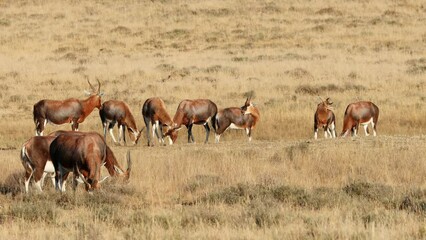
x=114, y=111
x=362, y=113
x=190, y=112
x=35, y=158
x=84, y=155
x=71, y=110
x=155, y=115
x=325, y=118
x=111, y=163
x=245, y=117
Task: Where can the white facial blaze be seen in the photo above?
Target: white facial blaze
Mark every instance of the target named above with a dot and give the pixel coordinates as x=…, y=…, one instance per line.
x=118, y=170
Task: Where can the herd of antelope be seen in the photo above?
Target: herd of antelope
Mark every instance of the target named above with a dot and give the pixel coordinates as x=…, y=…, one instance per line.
x=85, y=153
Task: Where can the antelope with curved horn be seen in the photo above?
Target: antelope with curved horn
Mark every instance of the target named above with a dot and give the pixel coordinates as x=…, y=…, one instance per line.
x=114, y=111
x=190, y=112
x=245, y=117
x=325, y=118
x=155, y=115
x=71, y=110
x=357, y=113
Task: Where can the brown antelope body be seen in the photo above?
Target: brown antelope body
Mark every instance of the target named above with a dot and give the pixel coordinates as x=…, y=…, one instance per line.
x=35, y=158
x=111, y=163
x=118, y=112
x=190, y=112
x=155, y=115
x=245, y=117
x=83, y=154
x=71, y=110
x=363, y=113
x=325, y=118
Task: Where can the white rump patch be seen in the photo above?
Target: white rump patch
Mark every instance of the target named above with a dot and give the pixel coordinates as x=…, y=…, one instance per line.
x=49, y=167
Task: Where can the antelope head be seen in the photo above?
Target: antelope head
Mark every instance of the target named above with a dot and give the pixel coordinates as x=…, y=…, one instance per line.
x=137, y=135
x=326, y=104
x=172, y=133
x=96, y=93
x=247, y=104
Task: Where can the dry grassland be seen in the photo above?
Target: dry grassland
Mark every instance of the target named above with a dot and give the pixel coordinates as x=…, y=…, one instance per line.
x=284, y=53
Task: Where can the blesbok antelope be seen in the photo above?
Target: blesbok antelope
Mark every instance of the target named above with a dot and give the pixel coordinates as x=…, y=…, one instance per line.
x=190, y=112
x=84, y=155
x=155, y=115
x=325, y=118
x=71, y=110
x=35, y=158
x=111, y=163
x=245, y=117
x=363, y=113
x=114, y=111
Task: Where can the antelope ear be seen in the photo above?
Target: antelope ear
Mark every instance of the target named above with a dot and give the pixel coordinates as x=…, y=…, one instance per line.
x=87, y=93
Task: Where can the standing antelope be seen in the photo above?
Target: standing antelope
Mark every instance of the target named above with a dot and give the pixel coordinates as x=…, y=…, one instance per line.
x=71, y=110
x=190, y=112
x=35, y=158
x=84, y=155
x=114, y=111
x=325, y=118
x=363, y=113
x=155, y=115
x=245, y=117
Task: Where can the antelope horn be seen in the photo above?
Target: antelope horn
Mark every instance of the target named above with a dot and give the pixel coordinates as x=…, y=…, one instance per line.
x=91, y=86
x=103, y=179
x=99, y=86
x=82, y=178
x=97, y=169
x=322, y=100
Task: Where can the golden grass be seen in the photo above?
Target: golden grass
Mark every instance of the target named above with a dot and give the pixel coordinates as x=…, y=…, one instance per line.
x=285, y=54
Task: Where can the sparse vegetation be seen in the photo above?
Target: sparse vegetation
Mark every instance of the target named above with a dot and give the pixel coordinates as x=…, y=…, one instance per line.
x=284, y=54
